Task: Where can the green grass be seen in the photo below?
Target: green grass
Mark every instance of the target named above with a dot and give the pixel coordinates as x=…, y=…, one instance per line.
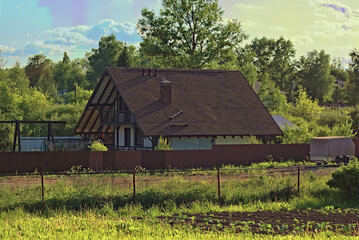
x=92, y=224
x=101, y=206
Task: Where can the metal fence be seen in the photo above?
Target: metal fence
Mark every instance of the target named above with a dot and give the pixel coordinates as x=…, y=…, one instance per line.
x=83, y=188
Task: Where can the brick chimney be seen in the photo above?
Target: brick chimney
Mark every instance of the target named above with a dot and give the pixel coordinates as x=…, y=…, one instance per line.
x=165, y=91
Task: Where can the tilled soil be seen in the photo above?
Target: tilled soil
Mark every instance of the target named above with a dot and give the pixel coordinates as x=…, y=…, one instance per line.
x=339, y=220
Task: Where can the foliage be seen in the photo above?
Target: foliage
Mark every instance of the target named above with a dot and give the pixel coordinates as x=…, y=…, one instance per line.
x=37, y=66
x=315, y=74
x=69, y=113
x=82, y=96
x=354, y=114
x=33, y=105
x=163, y=144
x=126, y=57
x=306, y=108
x=346, y=179
x=332, y=117
x=68, y=73
x=106, y=55
x=271, y=96
x=97, y=145
x=188, y=34
x=352, y=87
x=274, y=57
x=2, y=62
x=17, y=78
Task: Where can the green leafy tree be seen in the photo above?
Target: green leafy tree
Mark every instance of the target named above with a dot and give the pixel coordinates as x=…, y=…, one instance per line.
x=37, y=66
x=69, y=113
x=47, y=86
x=17, y=76
x=352, y=87
x=9, y=110
x=68, y=73
x=2, y=62
x=106, y=55
x=188, y=33
x=315, y=75
x=306, y=108
x=82, y=96
x=33, y=105
x=274, y=57
x=354, y=114
x=272, y=97
x=246, y=65
x=126, y=57
x=62, y=72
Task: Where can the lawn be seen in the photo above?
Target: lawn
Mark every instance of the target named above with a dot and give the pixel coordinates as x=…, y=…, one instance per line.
x=254, y=203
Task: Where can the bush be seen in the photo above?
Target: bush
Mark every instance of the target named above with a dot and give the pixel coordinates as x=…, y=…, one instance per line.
x=331, y=118
x=163, y=144
x=346, y=179
x=97, y=145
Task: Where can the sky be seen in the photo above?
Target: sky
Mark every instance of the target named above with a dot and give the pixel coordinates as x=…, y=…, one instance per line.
x=51, y=27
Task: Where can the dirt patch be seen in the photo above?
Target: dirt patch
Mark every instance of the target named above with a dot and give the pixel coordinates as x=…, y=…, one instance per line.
x=282, y=222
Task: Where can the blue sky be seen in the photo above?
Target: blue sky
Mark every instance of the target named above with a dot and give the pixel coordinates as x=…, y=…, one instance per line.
x=29, y=27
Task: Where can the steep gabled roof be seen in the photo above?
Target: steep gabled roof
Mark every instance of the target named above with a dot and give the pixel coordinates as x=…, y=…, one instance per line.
x=204, y=103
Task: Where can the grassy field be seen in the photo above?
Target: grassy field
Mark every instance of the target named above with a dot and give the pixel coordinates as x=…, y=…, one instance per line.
x=102, y=206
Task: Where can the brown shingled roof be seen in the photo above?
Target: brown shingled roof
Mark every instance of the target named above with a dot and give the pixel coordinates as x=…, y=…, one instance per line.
x=213, y=103
x=204, y=103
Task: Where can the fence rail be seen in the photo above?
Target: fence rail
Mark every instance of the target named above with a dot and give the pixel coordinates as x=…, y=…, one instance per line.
x=76, y=189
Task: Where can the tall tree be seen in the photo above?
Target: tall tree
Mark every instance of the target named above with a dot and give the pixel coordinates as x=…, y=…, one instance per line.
x=36, y=66
x=106, y=55
x=126, y=57
x=2, y=62
x=274, y=57
x=62, y=73
x=17, y=77
x=188, y=33
x=352, y=87
x=315, y=75
x=67, y=73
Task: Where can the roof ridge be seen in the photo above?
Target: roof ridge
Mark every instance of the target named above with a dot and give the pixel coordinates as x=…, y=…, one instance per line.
x=173, y=69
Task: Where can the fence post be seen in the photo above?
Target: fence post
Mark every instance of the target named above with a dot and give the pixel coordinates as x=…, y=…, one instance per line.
x=298, y=180
x=219, y=185
x=134, y=185
x=42, y=190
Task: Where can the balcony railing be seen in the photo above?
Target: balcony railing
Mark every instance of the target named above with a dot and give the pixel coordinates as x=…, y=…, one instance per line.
x=113, y=117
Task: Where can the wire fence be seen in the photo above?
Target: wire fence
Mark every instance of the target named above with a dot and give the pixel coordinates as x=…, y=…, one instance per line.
x=78, y=189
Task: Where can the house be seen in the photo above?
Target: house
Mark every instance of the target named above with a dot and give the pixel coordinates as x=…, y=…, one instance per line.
x=131, y=108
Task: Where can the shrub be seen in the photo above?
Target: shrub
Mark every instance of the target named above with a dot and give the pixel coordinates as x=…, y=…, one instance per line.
x=163, y=144
x=97, y=145
x=332, y=118
x=346, y=179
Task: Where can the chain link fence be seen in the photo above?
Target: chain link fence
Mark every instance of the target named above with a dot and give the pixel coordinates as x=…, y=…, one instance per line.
x=81, y=188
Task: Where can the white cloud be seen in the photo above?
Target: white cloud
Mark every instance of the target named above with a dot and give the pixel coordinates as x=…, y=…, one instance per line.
x=302, y=40
x=4, y=48
x=277, y=28
x=37, y=47
x=248, y=23
x=247, y=7
x=79, y=39
x=89, y=35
